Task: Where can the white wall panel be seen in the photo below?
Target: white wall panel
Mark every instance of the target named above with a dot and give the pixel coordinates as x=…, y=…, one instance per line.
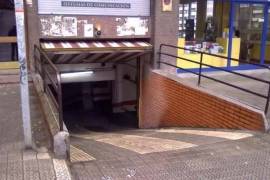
x=127, y=7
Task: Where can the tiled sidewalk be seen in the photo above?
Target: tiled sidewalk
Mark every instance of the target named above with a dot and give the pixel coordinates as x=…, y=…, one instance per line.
x=16, y=163
x=164, y=155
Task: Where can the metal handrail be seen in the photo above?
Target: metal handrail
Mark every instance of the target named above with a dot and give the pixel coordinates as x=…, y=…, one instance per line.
x=44, y=61
x=201, y=64
x=216, y=55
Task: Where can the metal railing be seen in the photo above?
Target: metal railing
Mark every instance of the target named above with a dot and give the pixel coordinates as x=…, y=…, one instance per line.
x=51, y=77
x=202, y=65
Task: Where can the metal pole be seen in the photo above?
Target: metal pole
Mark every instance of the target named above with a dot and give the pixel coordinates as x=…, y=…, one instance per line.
x=159, y=56
x=20, y=24
x=138, y=87
x=43, y=73
x=267, y=102
x=231, y=33
x=264, y=34
x=200, y=70
x=60, y=103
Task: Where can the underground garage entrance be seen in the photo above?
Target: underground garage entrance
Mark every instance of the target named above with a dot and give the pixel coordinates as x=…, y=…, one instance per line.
x=94, y=85
x=90, y=106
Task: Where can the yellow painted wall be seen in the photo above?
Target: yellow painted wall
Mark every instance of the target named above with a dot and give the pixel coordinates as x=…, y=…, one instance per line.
x=221, y=16
x=9, y=65
x=208, y=59
x=256, y=52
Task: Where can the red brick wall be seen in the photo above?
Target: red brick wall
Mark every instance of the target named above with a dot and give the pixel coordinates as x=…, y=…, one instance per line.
x=167, y=103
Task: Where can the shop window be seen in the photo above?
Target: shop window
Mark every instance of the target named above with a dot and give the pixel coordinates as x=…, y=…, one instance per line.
x=268, y=30
x=249, y=22
x=187, y=13
x=210, y=8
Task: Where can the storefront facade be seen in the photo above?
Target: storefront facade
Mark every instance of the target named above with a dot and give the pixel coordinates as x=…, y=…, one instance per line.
x=236, y=29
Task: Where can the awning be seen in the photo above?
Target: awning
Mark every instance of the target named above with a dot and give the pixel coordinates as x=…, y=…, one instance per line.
x=56, y=46
x=71, y=52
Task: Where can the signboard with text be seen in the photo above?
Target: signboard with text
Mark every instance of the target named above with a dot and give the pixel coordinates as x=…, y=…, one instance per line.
x=95, y=7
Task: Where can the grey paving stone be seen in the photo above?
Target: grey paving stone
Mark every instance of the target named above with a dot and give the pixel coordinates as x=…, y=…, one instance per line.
x=214, y=159
x=31, y=169
x=46, y=169
x=15, y=170
x=3, y=166
x=15, y=162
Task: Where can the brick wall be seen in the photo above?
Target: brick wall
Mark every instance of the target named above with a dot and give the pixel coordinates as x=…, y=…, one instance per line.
x=168, y=103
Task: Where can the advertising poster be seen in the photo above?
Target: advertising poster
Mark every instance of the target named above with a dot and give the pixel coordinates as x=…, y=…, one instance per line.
x=88, y=30
x=69, y=26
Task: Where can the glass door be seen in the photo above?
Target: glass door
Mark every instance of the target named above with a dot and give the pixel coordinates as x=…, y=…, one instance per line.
x=248, y=22
x=249, y=26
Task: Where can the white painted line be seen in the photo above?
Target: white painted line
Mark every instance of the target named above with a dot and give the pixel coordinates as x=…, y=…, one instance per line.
x=52, y=45
x=128, y=44
x=98, y=44
x=217, y=134
x=49, y=45
x=143, y=44
x=145, y=145
x=66, y=45
x=61, y=170
x=114, y=44
x=82, y=45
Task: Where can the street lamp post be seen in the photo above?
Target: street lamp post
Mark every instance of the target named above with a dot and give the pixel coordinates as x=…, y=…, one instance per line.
x=20, y=24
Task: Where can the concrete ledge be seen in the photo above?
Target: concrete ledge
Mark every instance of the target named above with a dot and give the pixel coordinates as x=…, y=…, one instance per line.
x=50, y=112
x=61, y=144
x=11, y=76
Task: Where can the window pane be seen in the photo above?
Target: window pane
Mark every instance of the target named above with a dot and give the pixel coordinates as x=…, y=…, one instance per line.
x=210, y=8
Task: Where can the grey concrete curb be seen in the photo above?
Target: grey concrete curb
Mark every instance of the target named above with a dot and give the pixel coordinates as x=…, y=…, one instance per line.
x=62, y=171
x=61, y=167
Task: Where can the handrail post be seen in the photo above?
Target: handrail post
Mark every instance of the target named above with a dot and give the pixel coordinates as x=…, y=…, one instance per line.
x=35, y=61
x=200, y=70
x=267, y=103
x=43, y=73
x=159, y=56
x=60, y=102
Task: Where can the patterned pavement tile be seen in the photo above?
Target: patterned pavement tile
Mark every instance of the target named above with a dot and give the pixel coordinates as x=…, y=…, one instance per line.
x=213, y=155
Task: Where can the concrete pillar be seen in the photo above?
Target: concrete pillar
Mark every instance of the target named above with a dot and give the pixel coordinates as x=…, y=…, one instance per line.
x=32, y=27
x=165, y=28
x=201, y=19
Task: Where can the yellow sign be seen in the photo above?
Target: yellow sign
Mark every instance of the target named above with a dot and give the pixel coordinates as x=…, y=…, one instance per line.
x=166, y=5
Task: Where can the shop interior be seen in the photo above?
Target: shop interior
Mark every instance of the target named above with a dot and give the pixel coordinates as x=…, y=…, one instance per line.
x=8, y=46
x=234, y=29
